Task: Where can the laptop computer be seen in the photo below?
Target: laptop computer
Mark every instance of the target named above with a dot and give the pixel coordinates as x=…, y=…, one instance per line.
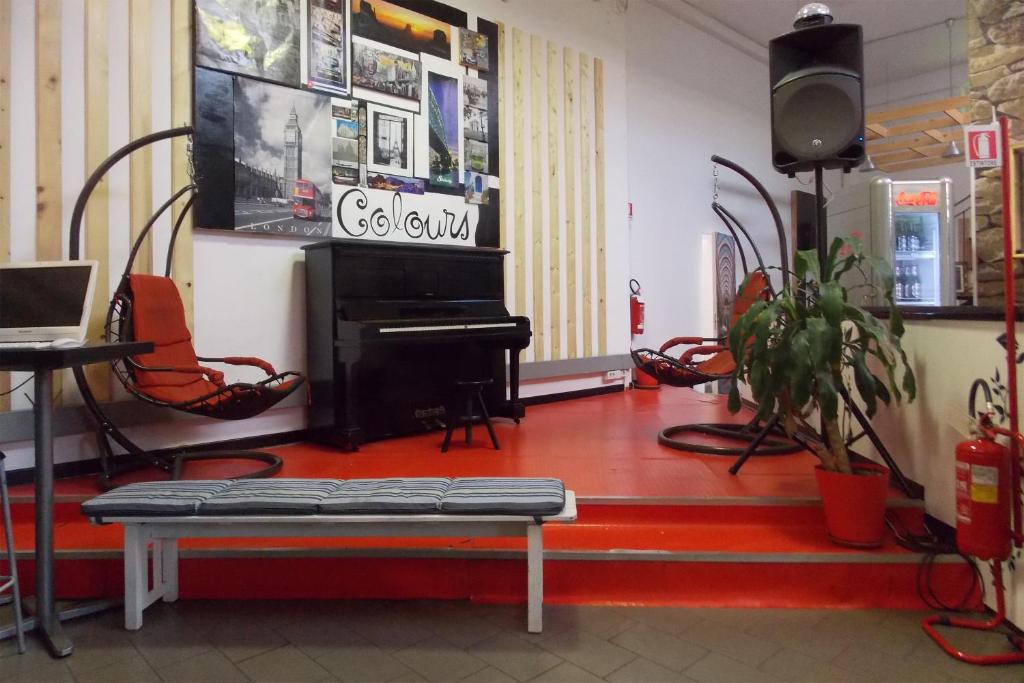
x=45, y=302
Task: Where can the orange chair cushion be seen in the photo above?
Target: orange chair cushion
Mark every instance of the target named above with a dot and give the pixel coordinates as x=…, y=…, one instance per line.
x=159, y=316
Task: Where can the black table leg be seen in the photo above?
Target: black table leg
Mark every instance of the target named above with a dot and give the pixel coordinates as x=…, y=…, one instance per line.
x=47, y=619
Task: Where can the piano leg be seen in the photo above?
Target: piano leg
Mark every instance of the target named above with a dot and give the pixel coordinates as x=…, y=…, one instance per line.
x=515, y=407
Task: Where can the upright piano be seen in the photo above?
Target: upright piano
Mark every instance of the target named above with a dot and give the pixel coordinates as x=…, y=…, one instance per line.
x=391, y=327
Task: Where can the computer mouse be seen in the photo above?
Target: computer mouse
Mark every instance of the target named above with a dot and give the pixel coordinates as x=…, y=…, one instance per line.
x=65, y=343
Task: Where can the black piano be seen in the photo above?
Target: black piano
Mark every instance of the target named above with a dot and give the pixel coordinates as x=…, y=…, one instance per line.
x=390, y=329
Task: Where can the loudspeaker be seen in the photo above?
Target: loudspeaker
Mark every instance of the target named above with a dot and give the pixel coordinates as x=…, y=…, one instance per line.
x=817, y=98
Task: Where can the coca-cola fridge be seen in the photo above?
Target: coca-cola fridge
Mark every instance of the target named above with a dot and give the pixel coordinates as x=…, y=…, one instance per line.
x=912, y=228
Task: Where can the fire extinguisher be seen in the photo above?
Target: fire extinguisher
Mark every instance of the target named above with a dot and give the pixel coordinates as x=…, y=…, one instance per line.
x=636, y=309
x=983, y=485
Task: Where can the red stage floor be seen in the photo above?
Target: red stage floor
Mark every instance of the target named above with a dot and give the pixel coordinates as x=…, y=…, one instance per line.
x=603, y=447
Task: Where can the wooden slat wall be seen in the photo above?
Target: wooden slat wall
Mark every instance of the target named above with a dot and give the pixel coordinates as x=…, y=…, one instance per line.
x=5, y=162
x=101, y=240
x=569, y=69
x=97, y=146
x=602, y=264
x=49, y=205
x=141, y=162
x=554, y=225
x=181, y=114
x=562, y=252
x=586, y=228
x=504, y=142
x=518, y=170
x=538, y=181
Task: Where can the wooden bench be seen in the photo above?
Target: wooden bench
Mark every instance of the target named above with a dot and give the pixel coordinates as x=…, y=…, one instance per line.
x=156, y=514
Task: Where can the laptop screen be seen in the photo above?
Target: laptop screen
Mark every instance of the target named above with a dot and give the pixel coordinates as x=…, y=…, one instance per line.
x=43, y=297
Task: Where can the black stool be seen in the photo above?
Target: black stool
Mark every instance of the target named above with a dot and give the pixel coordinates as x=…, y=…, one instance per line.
x=465, y=393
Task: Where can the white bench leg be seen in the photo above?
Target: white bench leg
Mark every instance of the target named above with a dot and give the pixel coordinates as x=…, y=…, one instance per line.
x=170, y=569
x=136, y=577
x=535, y=578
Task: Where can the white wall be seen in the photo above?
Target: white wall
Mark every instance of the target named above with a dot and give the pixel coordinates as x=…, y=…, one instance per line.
x=690, y=96
x=903, y=92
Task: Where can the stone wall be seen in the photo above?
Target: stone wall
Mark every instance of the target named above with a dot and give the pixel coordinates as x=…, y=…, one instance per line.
x=995, y=31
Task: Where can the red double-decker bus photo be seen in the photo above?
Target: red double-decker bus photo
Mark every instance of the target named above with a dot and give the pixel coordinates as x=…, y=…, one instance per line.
x=308, y=202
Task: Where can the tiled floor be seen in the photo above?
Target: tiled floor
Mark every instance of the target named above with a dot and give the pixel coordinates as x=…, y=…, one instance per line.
x=443, y=641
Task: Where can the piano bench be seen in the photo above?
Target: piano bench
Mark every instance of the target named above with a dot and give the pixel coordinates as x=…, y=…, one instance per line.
x=157, y=514
x=468, y=392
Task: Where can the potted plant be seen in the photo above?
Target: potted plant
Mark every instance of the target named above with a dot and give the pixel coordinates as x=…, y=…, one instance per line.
x=799, y=350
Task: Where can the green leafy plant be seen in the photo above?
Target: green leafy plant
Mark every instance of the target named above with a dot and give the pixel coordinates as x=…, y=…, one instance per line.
x=798, y=349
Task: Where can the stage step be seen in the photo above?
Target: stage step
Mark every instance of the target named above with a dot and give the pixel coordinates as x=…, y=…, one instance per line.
x=769, y=553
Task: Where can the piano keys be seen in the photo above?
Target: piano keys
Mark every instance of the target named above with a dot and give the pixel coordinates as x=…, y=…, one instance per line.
x=391, y=327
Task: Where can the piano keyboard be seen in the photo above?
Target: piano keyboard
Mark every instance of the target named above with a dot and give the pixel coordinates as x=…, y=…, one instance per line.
x=442, y=328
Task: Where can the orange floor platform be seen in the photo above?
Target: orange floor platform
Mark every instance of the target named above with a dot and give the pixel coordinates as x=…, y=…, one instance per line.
x=656, y=525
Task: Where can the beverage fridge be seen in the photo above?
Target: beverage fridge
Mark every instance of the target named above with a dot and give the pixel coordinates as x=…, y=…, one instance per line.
x=911, y=227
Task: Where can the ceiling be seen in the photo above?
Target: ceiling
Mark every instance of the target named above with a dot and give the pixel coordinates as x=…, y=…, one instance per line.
x=922, y=47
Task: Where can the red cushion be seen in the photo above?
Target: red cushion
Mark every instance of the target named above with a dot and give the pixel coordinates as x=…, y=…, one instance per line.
x=159, y=316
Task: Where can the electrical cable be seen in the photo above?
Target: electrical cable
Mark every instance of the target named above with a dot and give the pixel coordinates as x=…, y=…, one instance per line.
x=931, y=546
x=11, y=391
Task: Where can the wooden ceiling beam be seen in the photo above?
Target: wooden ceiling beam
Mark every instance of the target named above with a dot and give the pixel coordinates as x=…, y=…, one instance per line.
x=905, y=155
x=921, y=125
x=888, y=144
x=952, y=103
x=919, y=163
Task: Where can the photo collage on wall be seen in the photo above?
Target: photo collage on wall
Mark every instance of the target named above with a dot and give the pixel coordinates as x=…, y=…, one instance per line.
x=347, y=118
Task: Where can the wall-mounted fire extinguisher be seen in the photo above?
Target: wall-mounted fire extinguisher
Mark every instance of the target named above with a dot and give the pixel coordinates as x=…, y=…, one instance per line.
x=636, y=309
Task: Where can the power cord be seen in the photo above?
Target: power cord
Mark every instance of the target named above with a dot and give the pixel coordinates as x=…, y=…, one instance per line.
x=11, y=391
x=931, y=546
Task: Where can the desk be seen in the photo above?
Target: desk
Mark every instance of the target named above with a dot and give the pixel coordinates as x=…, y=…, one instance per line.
x=43, y=362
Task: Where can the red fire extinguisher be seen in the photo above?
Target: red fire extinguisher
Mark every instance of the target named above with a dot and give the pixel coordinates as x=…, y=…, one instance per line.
x=636, y=309
x=983, y=498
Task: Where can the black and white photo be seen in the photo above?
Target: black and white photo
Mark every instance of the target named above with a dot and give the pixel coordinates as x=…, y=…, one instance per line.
x=282, y=159
x=389, y=140
x=474, y=123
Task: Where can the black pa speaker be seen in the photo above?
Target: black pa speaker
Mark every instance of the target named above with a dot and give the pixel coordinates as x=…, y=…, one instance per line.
x=817, y=98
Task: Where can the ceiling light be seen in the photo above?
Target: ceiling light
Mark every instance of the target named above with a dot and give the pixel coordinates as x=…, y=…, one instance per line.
x=952, y=150
x=868, y=166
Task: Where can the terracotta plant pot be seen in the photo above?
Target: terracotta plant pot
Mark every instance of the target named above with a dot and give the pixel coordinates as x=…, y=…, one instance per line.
x=854, y=504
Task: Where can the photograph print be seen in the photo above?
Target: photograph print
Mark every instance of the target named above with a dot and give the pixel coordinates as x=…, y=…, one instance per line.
x=282, y=159
x=389, y=140
x=328, y=45
x=475, y=92
x=444, y=129
x=477, y=156
x=473, y=49
x=474, y=122
x=257, y=38
x=385, y=72
x=388, y=23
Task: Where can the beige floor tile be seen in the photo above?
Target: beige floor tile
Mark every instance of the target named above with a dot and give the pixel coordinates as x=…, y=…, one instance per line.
x=284, y=665
x=439, y=661
x=596, y=655
x=567, y=672
x=132, y=670
x=515, y=656
x=644, y=670
x=716, y=668
x=489, y=675
x=731, y=642
x=208, y=667
x=364, y=663
x=660, y=647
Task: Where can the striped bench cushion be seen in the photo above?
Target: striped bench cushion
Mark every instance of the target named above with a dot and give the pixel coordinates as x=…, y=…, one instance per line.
x=154, y=498
x=504, y=495
x=382, y=496
x=270, y=496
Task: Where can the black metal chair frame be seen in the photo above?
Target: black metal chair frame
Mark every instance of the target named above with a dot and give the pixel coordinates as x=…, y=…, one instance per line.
x=471, y=392
x=752, y=432
x=118, y=327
